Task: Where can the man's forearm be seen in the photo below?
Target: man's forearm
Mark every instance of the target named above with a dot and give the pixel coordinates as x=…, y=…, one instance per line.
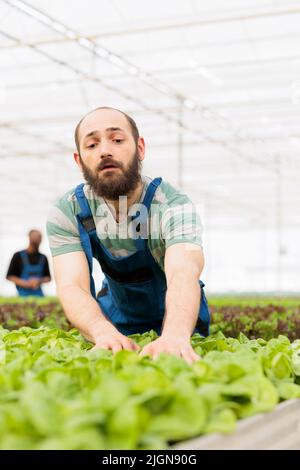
x=18, y=281
x=83, y=312
x=182, y=305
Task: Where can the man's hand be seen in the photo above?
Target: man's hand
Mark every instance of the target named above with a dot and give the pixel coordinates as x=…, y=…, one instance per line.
x=34, y=283
x=111, y=338
x=82, y=310
x=171, y=345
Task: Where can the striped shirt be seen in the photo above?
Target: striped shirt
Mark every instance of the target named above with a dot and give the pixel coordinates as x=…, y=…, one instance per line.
x=172, y=219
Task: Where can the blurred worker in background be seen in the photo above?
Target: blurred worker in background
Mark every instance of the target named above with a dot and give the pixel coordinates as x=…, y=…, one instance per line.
x=29, y=268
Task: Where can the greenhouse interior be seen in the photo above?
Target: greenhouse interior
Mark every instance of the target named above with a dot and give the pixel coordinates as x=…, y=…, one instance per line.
x=176, y=106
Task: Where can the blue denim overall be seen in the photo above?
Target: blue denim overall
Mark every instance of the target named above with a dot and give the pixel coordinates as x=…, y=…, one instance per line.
x=134, y=286
x=31, y=270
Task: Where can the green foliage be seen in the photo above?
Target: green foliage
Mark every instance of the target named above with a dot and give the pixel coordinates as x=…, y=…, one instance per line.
x=256, y=317
x=55, y=393
x=16, y=312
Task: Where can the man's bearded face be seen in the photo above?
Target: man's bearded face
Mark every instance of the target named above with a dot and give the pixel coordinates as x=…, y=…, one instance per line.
x=111, y=179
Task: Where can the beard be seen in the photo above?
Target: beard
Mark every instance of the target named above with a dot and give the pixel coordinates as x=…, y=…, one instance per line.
x=112, y=186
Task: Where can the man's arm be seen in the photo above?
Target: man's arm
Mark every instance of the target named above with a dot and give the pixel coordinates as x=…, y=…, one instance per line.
x=31, y=283
x=26, y=283
x=36, y=282
x=183, y=266
x=73, y=288
x=14, y=272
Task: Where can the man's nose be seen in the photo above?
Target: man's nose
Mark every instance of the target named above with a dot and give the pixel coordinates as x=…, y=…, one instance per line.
x=105, y=150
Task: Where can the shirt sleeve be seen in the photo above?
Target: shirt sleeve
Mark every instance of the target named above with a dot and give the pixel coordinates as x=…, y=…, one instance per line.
x=15, y=266
x=62, y=229
x=46, y=270
x=180, y=223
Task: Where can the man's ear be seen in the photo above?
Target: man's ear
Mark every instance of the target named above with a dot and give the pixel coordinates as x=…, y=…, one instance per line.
x=77, y=159
x=141, y=148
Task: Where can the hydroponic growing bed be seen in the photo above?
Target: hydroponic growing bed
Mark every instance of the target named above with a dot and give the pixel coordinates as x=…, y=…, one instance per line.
x=57, y=394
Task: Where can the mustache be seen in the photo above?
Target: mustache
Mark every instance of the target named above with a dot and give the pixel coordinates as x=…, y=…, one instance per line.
x=109, y=161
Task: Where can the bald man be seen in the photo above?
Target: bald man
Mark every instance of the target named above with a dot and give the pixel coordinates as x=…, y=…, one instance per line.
x=29, y=268
x=145, y=234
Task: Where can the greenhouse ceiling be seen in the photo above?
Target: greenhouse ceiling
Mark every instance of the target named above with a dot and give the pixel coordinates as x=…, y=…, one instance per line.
x=213, y=86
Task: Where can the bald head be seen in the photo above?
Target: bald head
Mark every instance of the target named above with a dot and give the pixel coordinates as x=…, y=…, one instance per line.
x=35, y=238
x=113, y=117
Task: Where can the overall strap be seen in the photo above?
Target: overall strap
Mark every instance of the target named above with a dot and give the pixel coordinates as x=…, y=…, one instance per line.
x=86, y=213
x=151, y=191
x=24, y=257
x=42, y=260
x=141, y=243
x=87, y=229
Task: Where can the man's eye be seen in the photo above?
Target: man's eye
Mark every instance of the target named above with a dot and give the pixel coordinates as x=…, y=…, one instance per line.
x=118, y=141
x=91, y=146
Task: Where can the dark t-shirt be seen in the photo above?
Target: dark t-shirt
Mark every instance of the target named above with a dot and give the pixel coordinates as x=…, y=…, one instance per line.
x=16, y=264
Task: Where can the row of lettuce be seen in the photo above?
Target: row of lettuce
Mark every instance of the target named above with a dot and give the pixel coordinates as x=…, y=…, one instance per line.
x=256, y=318
x=56, y=393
